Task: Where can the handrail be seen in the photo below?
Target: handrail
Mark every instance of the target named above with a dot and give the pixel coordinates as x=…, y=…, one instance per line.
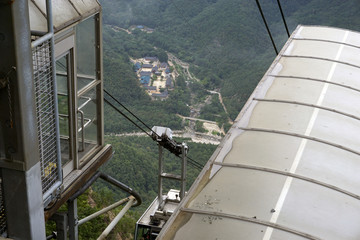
x=116, y=220
x=130, y=201
x=104, y=210
x=122, y=186
x=83, y=131
x=84, y=187
x=111, y=180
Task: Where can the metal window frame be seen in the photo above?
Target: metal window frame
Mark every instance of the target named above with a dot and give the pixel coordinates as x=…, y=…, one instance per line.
x=64, y=47
x=97, y=85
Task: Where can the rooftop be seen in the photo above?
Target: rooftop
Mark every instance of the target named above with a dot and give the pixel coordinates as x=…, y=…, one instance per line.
x=65, y=13
x=289, y=166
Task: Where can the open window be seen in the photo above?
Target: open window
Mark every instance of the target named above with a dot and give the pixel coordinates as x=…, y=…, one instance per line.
x=79, y=94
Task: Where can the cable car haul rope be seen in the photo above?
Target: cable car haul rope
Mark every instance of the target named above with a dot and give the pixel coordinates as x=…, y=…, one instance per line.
x=162, y=140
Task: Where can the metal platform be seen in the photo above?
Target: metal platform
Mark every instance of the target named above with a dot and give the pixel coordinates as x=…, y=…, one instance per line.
x=76, y=179
x=152, y=221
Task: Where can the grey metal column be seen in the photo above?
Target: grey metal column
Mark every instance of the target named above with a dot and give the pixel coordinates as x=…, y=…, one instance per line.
x=161, y=169
x=19, y=163
x=183, y=171
x=61, y=221
x=73, y=220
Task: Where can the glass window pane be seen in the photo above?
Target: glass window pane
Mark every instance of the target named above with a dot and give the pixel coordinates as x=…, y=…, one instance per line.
x=62, y=75
x=87, y=105
x=85, y=52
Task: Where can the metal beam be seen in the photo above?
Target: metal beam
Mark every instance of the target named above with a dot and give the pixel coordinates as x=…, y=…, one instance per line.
x=308, y=105
x=160, y=172
x=24, y=203
x=116, y=219
x=17, y=100
x=20, y=166
x=73, y=220
x=61, y=221
x=301, y=136
x=102, y=211
x=183, y=171
x=289, y=174
x=250, y=220
x=315, y=80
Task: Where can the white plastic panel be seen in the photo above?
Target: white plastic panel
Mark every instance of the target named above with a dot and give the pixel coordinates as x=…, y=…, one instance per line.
x=320, y=32
x=282, y=117
x=335, y=99
x=313, y=49
x=205, y=227
x=347, y=75
x=331, y=165
x=85, y=6
x=272, y=153
x=321, y=211
x=292, y=158
x=304, y=67
x=353, y=39
x=65, y=12
x=37, y=19
x=243, y=188
x=295, y=89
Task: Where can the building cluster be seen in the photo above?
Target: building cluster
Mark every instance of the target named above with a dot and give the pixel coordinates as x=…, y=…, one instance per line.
x=154, y=76
x=142, y=28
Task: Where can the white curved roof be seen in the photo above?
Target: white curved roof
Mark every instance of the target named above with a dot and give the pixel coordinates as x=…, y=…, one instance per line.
x=65, y=12
x=289, y=168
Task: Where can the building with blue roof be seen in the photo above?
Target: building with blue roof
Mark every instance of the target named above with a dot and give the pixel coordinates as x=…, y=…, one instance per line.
x=147, y=66
x=151, y=59
x=137, y=66
x=145, y=80
x=163, y=65
x=160, y=95
x=155, y=69
x=142, y=73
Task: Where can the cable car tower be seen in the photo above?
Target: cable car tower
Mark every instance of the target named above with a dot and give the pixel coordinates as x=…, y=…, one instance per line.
x=51, y=121
x=151, y=222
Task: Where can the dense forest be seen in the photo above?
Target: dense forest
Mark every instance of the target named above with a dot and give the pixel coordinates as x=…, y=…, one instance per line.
x=225, y=41
x=135, y=163
x=227, y=47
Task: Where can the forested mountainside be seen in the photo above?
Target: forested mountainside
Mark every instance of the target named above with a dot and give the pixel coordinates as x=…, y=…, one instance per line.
x=227, y=48
x=225, y=41
x=135, y=163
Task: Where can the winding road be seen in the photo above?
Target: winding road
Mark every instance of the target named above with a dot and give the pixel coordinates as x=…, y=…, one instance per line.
x=222, y=103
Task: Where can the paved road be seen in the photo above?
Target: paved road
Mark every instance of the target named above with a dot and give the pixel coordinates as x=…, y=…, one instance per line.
x=196, y=119
x=222, y=103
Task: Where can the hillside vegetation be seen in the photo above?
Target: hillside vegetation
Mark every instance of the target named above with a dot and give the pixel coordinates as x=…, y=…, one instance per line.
x=224, y=41
x=228, y=49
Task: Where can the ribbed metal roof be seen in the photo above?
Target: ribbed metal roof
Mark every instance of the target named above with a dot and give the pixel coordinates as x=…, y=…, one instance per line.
x=289, y=168
x=65, y=13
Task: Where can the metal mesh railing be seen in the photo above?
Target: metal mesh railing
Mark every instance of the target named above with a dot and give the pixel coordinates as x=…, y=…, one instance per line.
x=46, y=114
x=2, y=212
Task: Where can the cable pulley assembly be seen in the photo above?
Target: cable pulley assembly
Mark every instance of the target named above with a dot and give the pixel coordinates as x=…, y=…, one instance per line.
x=163, y=136
x=156, y=133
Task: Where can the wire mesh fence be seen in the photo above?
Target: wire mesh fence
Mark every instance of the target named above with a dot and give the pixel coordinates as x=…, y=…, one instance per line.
x=46, y=114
